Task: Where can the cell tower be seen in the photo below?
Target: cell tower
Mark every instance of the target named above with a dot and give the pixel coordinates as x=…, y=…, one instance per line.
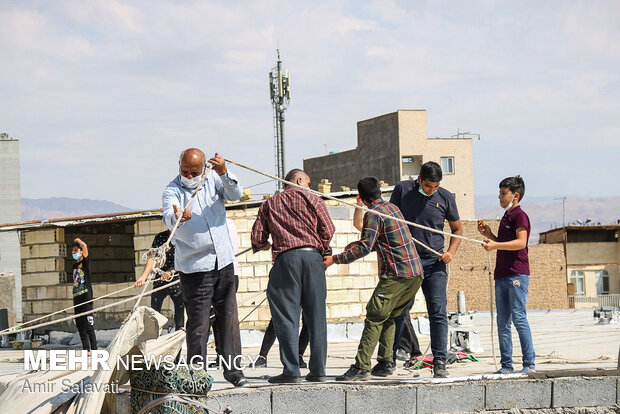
x=279, y=89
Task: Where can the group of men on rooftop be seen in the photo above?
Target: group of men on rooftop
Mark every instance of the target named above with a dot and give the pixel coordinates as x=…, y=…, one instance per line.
x=300, y=229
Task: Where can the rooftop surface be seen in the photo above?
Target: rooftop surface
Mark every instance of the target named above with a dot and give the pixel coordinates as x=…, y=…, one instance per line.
x=563, y=340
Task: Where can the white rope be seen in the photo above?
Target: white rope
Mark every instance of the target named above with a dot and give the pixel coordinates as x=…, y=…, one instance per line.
x=109, y=305
x=255, y=307
x=491, y=310
x=414, y=366
x=331, y=198
x=159, y=254
x=9, y=330
x=21, y=328
x=399, y=220
x=362, y=208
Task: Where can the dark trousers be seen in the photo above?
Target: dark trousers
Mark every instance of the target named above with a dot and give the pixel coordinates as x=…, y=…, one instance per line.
x=86, y=324
x=216, y=333
x=434, y=289
x=157, y=299
x=297, y=280
x=202, y=290
x=270, y=338
x=409, y=341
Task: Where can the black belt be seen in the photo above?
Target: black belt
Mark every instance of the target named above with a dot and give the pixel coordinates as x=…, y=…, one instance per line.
x=308, y=249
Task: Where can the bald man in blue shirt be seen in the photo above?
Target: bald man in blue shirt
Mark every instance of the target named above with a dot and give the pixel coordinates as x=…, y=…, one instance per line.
x=204, y=256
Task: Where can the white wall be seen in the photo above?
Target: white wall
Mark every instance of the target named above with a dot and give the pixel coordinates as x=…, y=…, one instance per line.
x=10, y=212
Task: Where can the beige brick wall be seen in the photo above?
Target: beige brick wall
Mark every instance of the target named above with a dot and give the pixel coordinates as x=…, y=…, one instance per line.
x=349, y=286
x=45, y=260
x=469, y=273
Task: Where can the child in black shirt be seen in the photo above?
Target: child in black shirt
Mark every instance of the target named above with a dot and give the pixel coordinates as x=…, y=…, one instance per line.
x=83, y=292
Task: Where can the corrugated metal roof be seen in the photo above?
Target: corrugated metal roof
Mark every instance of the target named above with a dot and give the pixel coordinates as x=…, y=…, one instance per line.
x=71, y=221
x=604, y=227
x=135, y=215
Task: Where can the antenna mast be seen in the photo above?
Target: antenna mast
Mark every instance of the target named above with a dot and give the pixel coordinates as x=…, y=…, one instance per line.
x=279, y=89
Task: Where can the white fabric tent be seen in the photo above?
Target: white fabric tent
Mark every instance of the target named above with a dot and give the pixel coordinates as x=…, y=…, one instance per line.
x=140, y=334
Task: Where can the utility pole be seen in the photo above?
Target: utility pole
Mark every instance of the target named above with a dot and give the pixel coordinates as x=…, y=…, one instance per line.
x=279, y=89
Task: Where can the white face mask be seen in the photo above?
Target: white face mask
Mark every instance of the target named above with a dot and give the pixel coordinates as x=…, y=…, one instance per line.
x=191, y=182
x=509, y=206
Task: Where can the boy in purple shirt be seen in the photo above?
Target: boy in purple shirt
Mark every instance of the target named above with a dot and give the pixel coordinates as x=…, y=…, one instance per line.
x=512, y=274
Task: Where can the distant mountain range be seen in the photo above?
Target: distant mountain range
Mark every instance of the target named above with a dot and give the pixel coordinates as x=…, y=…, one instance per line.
x=545, y=212
x=56, y=207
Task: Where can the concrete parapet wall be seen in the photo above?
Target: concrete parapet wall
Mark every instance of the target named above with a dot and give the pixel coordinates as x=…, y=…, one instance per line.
x=554, y=395
x=585, y=392
x=515, y=394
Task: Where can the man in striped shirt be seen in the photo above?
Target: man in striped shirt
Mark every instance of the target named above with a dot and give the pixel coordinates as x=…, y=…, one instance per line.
x=301, y=230
x=399, y=280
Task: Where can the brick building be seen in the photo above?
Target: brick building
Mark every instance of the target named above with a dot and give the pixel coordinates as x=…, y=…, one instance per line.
x=117, y=242
x=592, y=262
x=393, y=148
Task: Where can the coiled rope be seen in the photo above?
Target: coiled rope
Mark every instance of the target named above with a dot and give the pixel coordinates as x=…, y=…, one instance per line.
x=182, y=398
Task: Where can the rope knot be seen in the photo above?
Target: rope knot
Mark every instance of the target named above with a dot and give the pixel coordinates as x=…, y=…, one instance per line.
x=158, y=254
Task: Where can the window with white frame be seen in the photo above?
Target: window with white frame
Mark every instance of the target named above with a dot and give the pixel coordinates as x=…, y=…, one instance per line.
x=602, y=282
x=447, y=165
x=577, y=278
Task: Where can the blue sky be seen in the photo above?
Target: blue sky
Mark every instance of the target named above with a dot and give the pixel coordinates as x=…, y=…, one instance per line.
x=103, y=95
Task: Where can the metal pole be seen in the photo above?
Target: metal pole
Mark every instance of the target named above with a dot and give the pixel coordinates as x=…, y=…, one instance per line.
x=280, y=109
x=283, y=169
x=563, y=211
x=280, y=96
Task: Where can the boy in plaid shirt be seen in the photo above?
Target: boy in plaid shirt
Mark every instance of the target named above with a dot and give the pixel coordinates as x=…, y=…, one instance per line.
x=399, y=280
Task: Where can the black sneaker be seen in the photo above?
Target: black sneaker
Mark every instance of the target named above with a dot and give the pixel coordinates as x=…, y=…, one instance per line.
x=315, y=378
x=302, y=363
x=284, y=379
x=383, y=369
x=242, y=382
x=354, y=374
x=401, y=355
x=439, y=370
x=260, y=362
x=236, y=379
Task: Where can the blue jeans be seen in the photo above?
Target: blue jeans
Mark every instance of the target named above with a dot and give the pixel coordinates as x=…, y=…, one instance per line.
x=434, y=289
x=510, y=301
